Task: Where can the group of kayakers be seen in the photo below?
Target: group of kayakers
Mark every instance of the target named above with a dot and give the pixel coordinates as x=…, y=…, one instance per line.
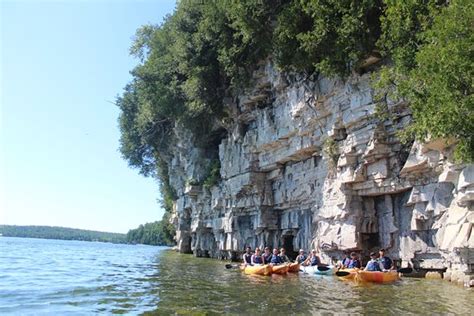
x=377, y=262
x=278, y=256
x=275, y=257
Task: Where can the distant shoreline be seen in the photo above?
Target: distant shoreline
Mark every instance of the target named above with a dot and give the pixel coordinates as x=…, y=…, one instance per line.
x=102, y=242
x=61, y=233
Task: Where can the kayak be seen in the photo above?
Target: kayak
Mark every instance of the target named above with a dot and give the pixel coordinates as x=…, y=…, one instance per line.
x=294, y=267
x=315, y=270
x=351, y=275
x=265, y=269
x=321, y=270
x=307, y=269
x=280, y=269
x=377, y=276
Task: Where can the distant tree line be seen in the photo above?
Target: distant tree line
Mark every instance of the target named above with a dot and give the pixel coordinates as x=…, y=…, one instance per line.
x=159, y=233
x=52, y=232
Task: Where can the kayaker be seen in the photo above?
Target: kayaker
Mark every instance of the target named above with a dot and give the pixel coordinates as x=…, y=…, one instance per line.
x=301, y=257
x=275, y=258
x=257, y=257
x=284, y=258
x=354, y=261
x=267, y=255
x=386, y=262
x=344, y=263
x=248, y=256
x=373, y=264
x=313, y=259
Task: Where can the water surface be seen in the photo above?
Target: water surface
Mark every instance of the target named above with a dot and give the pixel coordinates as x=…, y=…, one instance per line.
x=72, y=277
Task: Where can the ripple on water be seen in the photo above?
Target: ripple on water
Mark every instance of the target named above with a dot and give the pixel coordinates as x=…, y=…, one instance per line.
x=88, y=278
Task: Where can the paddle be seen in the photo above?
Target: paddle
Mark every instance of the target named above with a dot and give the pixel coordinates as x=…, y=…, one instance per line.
x=323, y=268
x=405, y=270
x=401, y=270
x=231, y=266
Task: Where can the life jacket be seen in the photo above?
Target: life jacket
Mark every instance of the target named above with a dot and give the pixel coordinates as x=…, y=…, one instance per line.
x=315, y=261
x=301, y=259
x=354, y=263
x=373, y=265
x=247, y=258
x=267, y=258
x=386, y=262
x=346, y=262
x=284, y=258
x=276, y=259
x=257, y=259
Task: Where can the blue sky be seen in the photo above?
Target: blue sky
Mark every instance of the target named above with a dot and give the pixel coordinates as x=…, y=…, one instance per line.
x=62, y=62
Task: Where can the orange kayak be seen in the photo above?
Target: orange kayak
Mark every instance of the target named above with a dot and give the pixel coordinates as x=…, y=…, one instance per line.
x=294, y=267
x=377, y=277
x=281, y=269
x=265, y=269
x=351, y=276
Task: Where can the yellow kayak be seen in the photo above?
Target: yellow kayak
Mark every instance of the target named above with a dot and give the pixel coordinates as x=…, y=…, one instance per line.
x=265, y=269
x=377, y=276
x=281, y=269
x=294, y=267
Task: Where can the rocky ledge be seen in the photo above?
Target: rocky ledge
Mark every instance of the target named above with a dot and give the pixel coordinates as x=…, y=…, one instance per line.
x=315, y=163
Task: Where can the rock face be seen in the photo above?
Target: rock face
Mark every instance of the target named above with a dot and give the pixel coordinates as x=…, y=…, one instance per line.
x=311, y=164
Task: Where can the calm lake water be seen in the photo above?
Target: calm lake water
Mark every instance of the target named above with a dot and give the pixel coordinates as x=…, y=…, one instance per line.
x=71, y=277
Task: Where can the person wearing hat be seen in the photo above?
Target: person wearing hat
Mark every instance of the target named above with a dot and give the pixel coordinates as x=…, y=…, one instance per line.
x=301, y=257
x=386, y=262
x=373, y=264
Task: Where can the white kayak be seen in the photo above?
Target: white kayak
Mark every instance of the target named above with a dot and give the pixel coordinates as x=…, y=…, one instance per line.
x=321, y=270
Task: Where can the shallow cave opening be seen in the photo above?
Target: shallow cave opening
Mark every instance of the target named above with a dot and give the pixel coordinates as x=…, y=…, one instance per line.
x=288, y=245
x=340, y=134
x=216, y=137
x=186, y=245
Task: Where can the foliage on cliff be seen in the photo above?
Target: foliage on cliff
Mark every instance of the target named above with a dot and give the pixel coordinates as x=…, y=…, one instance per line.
x=158, y=233
x=329, y=36
x=206, y=51
x=63, y=233
x=431, y=44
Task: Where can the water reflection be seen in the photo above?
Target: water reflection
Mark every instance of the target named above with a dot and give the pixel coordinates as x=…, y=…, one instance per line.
x=204, y=285
x=62, y=277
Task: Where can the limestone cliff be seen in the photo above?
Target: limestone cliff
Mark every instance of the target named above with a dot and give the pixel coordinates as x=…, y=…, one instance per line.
x=309, y=163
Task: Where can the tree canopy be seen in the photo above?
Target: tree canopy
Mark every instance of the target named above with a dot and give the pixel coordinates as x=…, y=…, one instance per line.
x=432, y=45
x=207, y=50
x=158, y=233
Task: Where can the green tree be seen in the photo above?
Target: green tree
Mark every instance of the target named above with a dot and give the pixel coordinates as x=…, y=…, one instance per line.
x=329, y=36
x=434, y=69
x=158, y=233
